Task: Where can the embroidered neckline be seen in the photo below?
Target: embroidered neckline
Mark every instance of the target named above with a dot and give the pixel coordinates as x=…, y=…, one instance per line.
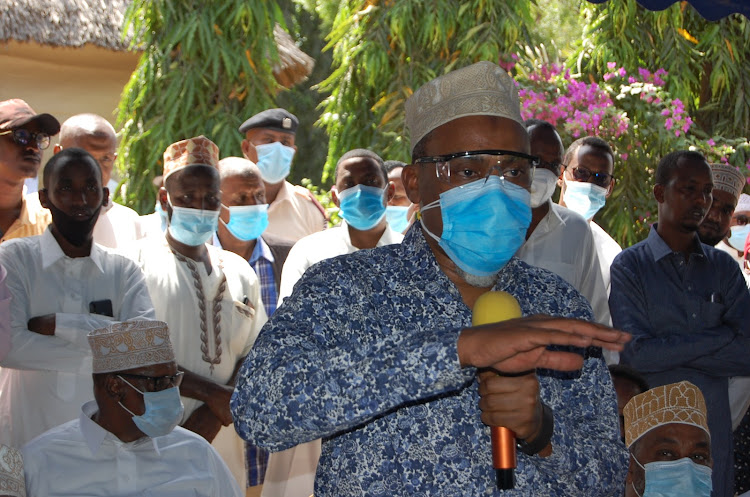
x=215, y=310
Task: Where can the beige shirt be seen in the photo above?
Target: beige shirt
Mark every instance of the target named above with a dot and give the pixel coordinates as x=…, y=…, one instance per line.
x=294, y=214
x=32, y=221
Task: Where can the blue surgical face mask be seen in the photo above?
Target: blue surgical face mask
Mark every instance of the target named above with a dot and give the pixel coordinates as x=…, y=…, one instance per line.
x=162, y=215
x=192, y=227
x=584, y=198
x=274, y=161
x=682, y=477
x=484, y=224
x=396, y=215
x=363, y=207
x=247, y=222
x=738, y=237
x=163, y=411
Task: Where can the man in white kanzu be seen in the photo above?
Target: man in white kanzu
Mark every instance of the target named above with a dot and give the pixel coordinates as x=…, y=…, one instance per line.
x=63, y=285
x=210, y=297
x=126, y=442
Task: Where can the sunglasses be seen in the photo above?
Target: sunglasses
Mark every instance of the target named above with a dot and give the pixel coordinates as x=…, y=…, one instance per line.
x=24, y=137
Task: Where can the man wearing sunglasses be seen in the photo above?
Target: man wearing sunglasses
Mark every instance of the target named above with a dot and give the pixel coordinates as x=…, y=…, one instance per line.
x=23, y=136
x=559, y=239
x=126, y=441
x=585, y=184
x=374, y=351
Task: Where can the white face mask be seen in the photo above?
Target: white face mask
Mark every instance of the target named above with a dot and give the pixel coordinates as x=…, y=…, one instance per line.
x=542, y=187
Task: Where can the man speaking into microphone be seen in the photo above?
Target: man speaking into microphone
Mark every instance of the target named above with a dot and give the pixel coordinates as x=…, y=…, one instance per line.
x=375, y=352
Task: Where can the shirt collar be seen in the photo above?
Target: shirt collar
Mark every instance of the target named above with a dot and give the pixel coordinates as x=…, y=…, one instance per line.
x=660, y=249
x=261, y=249
x=94, y=435
x=51, y=251
x=285, y=194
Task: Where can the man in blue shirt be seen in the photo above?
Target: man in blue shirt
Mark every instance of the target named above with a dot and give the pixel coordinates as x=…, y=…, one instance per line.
x=375, y=353
x=685, y=303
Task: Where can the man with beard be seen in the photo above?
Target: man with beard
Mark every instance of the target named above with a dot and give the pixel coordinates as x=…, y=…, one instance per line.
x=62, y=286
x=374, y=351
x=23, y=136
x=728, y=184
x=685, y=303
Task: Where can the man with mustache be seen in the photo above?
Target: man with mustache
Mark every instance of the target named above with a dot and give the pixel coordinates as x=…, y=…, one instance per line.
x=23, y=136
x=63, y=286
x=685, y=303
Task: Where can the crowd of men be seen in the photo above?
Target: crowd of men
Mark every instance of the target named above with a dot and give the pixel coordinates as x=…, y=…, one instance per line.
x=231, y=344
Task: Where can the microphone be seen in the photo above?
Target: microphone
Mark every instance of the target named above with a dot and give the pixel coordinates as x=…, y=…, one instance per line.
x=493, y=307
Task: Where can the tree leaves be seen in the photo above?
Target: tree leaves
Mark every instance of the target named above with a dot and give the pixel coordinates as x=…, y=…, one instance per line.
x=206, y=67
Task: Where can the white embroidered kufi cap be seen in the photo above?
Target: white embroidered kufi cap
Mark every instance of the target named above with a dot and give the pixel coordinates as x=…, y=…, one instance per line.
x=743, y=204
x=680, y=402
x=130, y=345
x=11, y=472
x=481, y=89
x=728, y=179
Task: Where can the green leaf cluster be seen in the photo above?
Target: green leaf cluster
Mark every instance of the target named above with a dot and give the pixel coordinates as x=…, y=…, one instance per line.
x=384, y=50
x=707, y=61
x=205, y=67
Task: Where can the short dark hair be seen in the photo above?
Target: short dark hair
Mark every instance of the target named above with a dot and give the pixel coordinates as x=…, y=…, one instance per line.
x=532, y=123
x=418, y=150
x=669, y=164
x=364, y=154
x=591, y=141
x=64, y=157
x=390, y=165
x=627, y=373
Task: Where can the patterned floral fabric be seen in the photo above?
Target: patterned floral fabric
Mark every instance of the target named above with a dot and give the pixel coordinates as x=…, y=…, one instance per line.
x=198, y=150
x=363, y=354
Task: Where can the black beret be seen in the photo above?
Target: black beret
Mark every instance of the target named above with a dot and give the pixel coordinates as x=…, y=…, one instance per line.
x=277, y=119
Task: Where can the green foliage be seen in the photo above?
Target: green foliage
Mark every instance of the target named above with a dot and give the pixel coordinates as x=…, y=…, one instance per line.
x=206, y=66
x=635, y=113
x=303, y=100
x=707, y=60
x=384, y=50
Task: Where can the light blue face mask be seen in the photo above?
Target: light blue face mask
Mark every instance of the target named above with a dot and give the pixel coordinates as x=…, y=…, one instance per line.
x=396, y=215
x=681, y=478
x=247, y=222
x=584, y=198
x=363, y=207
x=738, y=237
x=484, y=224
x=192, y=227
x=162, y=216
x=274, y=161
x=163, y=411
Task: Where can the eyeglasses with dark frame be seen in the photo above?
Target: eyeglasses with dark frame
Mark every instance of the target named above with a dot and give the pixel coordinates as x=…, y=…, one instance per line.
x=23, y=137
x=583, y=174
x=158, y=383
x=461, y=168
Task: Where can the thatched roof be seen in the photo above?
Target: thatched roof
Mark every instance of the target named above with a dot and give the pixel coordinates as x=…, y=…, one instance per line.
x=74, y=23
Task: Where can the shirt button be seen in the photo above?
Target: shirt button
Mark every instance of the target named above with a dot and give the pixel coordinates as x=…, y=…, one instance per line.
x=693, y=314
x=690, y=287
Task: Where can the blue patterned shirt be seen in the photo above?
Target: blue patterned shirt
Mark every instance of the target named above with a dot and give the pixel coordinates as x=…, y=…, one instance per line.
x=363, y=354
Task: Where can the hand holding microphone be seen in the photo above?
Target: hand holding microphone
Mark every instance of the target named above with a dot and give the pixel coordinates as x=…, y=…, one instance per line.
x=520, y=346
